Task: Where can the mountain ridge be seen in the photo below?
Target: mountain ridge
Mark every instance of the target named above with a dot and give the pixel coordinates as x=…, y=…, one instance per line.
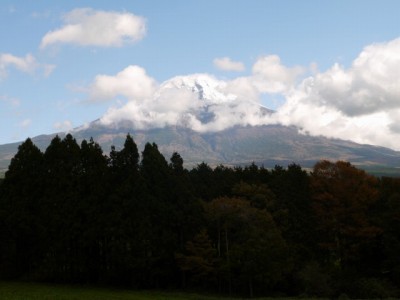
x=196, y=117
x=267, y=145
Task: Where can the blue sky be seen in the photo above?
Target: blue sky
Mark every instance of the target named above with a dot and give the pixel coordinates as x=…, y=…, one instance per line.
x=328, y=67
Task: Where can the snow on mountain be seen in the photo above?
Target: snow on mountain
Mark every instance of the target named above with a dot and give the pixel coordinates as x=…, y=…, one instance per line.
x=195, y=116
x=205, y=86
x=199, y=102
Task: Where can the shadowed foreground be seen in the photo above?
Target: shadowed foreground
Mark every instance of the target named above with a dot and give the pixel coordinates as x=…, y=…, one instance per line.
x=73, y=215
x=29, y=291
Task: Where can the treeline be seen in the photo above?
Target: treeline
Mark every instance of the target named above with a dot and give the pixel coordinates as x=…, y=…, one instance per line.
x=73, y=214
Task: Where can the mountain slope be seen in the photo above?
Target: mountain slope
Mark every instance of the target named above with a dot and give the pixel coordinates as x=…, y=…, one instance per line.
x=265, y=145
x=196, y=117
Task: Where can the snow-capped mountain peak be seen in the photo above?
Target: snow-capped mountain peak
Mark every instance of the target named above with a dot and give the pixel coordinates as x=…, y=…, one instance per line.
x=199, y=102
x=208, y=88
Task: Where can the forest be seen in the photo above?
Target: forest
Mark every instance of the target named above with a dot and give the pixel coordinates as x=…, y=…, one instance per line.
x=73, y=214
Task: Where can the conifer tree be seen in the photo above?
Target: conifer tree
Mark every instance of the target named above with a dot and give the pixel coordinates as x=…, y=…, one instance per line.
x=126, y=215
x=61, y=199
x=93, y=188
x=23, y=233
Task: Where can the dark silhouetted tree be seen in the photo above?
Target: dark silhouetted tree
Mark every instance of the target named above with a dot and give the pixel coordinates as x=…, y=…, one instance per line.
x=23, y=231
x=250, y=247
x=199, y=260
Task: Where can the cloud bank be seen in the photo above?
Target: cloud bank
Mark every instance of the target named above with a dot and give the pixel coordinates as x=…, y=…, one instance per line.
x=359, y=103
x=89, y=27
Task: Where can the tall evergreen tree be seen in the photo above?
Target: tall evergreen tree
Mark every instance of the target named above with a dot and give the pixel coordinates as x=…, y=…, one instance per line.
x=160, y=202
x=23, y=232
x=61, y=200
x=202, y=178
x=295, y=217
x=126, y=161
x=187, y=211
x=92, y=190
x=126, y=216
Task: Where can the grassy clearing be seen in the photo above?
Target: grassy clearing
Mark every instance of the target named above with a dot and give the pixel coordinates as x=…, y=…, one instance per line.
x=29, y=291
x=32, y=291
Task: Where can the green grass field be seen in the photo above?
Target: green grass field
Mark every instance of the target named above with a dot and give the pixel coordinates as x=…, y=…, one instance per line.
x=31, y=291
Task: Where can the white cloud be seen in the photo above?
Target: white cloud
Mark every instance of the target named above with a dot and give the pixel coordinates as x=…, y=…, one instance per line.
x=270, y=76
x=13, y=102
x=371, y=84
x=25, y=123
x=89, y=27
x=197, y=101
x=63, y=126
x=243, y=88
x=25, y=64
x=226, y=64
x=41, y=15
x=48, y=69
x=359, y=103
x=162, y=108
x=132, y=83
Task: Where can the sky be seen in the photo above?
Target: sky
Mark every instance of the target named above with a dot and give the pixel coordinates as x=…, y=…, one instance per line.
x=331, y=68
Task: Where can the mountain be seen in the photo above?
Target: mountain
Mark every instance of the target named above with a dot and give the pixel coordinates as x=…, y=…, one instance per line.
x=242, y=142
x=266, y=145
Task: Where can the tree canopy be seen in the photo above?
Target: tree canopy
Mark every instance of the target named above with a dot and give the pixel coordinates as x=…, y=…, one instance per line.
x=74, y=214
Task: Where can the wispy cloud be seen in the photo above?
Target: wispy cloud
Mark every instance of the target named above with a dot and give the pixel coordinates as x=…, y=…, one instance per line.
x=25, y=123
x=48, y=69
x=226, y=64
x=11, y=9
x=41, y=15
x=63, y=125
x=13, y=102
x=27, y=64
x=89, y=27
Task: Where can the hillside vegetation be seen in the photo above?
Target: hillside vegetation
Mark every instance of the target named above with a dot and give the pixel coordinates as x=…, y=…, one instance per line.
x=264, y=145
x=73, y=215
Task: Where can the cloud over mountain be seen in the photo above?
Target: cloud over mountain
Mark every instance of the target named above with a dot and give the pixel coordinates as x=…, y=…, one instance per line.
x=89, y=27
x=197, y=101
x=360, y=103
x=132, y=83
